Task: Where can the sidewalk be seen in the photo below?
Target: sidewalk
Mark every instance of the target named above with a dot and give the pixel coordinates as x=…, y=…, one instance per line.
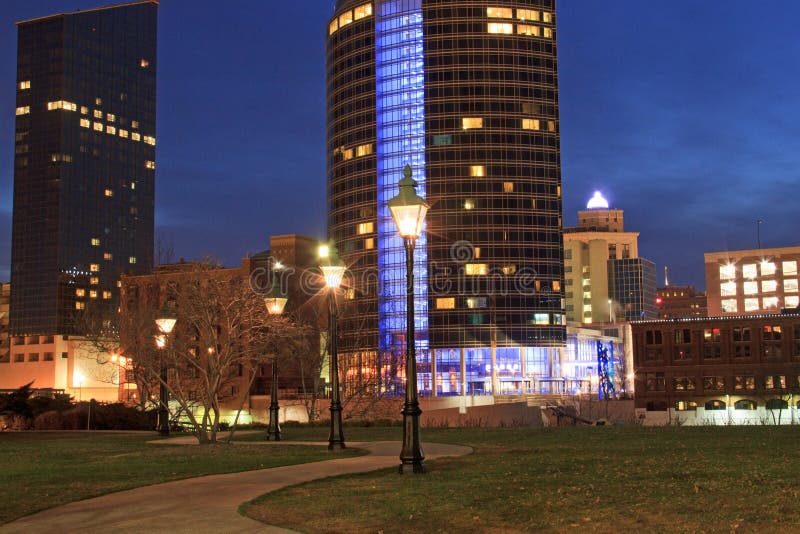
x=208, y=504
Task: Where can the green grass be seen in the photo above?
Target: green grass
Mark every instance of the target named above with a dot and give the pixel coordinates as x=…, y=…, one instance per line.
x=320, y=433
x=598, y=479
x=43, y=470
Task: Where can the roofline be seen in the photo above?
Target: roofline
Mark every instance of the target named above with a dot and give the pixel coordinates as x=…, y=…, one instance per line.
x=678, y=320
x=138, y=2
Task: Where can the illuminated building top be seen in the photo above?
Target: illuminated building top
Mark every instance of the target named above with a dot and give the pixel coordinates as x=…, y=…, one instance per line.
x=597, y=202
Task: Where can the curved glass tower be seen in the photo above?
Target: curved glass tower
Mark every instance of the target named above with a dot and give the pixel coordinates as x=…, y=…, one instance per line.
x=467, y=94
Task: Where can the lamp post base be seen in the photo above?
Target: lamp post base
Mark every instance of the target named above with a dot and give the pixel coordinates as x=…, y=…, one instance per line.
x=411, y=457
x=274, y=432
x=336, y=437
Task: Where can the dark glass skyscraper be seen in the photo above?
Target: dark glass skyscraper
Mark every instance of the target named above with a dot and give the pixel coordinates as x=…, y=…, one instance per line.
x=84, y=170
x=467, y=94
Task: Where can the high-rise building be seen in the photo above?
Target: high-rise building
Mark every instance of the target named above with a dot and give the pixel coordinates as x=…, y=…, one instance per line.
x=84, y=169
x=752, y=281
x=606, y=280
x=467, y=94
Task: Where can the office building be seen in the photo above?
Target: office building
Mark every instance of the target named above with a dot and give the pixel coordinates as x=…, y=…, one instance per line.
x=84, y=167
x=680, y=302
x=606, y=280
x=752, y=281
x=467, y=94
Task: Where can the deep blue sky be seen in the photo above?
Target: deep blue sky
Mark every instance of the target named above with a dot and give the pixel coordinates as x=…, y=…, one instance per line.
x=685, y=114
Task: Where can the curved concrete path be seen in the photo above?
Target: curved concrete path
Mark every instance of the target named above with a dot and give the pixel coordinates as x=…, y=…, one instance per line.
x=210, y=503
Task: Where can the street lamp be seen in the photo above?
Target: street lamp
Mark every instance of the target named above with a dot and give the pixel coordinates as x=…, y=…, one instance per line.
x=165, y=322
x=408, y=211
x=275, y=301
x=333, y=271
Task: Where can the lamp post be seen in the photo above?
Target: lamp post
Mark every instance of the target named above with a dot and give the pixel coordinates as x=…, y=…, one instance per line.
x=333, y=272
x=165, y=322
x=408, y=211
x=275, y=301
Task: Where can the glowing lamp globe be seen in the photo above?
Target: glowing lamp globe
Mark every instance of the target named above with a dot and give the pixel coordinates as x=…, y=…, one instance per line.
x=276, y=299
x=331, y=266
x=166, y=319
x=597, y=202
x=408, y=209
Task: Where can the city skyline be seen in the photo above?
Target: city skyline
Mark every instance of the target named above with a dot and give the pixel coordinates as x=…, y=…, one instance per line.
x=674, y=132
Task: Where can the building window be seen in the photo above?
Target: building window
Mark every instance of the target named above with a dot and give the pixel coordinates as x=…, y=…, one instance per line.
x=469, y=204
x=749, y=271
x=448, y=303
x=23, y=110
x=143, y=63
x=80, y=305
x=683, y=383
x=527, y=29
x=94, y=280
x=150, y=164
x=499, y=12
x=547, y=17
x=653, y=337
x=477, y=171
x=95, y=242
x=80, y=292
x=727, y=289
x=789, y=268
x=109, y=193
x=713, y=383
x=48, y=356
x=347, y=154
x=508, y=270
x=468, y=123
x=791, y=302
x=745, y=404
x=775, y=382
x=439, y=140
x=767, y=268
x=727, y=272
x=474, y=303
x=134, y=124
x=136, y=136
x=769, y=286
x=527, y=14
x=363, y=11
x=25, y=85
x=715, y=405
x=508, y=187
x=86, y=123
x=530, y=124
x=110, y=117
x=97, y=114
x=93, y=294
x=132, y=259
x=551, y=125
x=349, y=293
x=364, y=150
x=751, y=304
x=790, y=285
x=97, y=126
x=345, y=18
x=369, y=243
x=366, y=228
x=108, y=256
x=106, y=295
x=150, y=140
x=547, y=33
x=744, y=383
x=123, y=133
x=476, y=269
x=770, y=303
x=711, y=343
x=94, y=267
x=333, y=26
x=654, y=382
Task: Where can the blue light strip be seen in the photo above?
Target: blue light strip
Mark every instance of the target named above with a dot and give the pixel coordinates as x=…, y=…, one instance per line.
x=400, y=118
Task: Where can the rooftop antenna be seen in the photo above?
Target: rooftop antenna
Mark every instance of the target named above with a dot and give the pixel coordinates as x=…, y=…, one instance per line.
x=758, y=232
x=666, y=276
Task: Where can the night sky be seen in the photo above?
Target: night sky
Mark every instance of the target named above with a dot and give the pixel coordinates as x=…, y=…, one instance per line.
x=685, y=114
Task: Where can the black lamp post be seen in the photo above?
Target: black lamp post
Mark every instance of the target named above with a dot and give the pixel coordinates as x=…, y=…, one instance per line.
x=333, y=272
x=275, y=301
x=165, y=322
x=408, y=211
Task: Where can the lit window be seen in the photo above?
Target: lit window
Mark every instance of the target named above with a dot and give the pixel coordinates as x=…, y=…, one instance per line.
x=95, y=241
x=134, y=124
x=527, y=14
x=98, y=114
x=80, y=305
x=123, y=133
x=750, y=288
x=98, y=101
x=86, y=123
x=448, y=303
x=108, y=256
x=729, y=306
x=132, y=259
x=527, y=29
x=84, y=110
x=334, y=25
x=727, y=272
x=363, y=11
x=345, y=19
x=469, y=204
x=349, y=294
x=94, y=267
x=150, y=140
x=98, y=126
x=477, y=252
x=551, y=126
x=109, y=193
x=476, y=269
x=366, y=228
x=500, y=27
x=93, y=294
x=471, y=122
x=769, y=286
x=25, y=85
x=23, y=110
x=477, y=171
x=475, y=303
x=364, y=150
x=509, y=269
x=767, y=268
x=499, y=12
x=770, y=302
x=547, y=17
x=547, y=33
x=136, y=136
x=106, y=295
x=530, y=124
x=749, y=271
x=54, y=105
x=789, y=268
x=144, y=63
x=133, y=185
x=111, y=130
x=439, y=140
x=369, y=243
x=80, y=292
x=727, y=289
x=110, y=117
x=94, y=280
x=347, y=154
x=750, y=304
x=508, y=187
x=541, y=318
x=150, y=164
x=119, y=283
x=790, y=285
x=792, y=301
x=556, y=285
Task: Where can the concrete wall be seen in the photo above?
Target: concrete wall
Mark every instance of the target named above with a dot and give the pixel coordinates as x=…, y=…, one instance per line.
x=730, y=416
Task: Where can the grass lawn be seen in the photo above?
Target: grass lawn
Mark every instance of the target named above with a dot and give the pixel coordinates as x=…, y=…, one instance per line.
x=598, y=479
x=43, y=470
x=320, y=433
